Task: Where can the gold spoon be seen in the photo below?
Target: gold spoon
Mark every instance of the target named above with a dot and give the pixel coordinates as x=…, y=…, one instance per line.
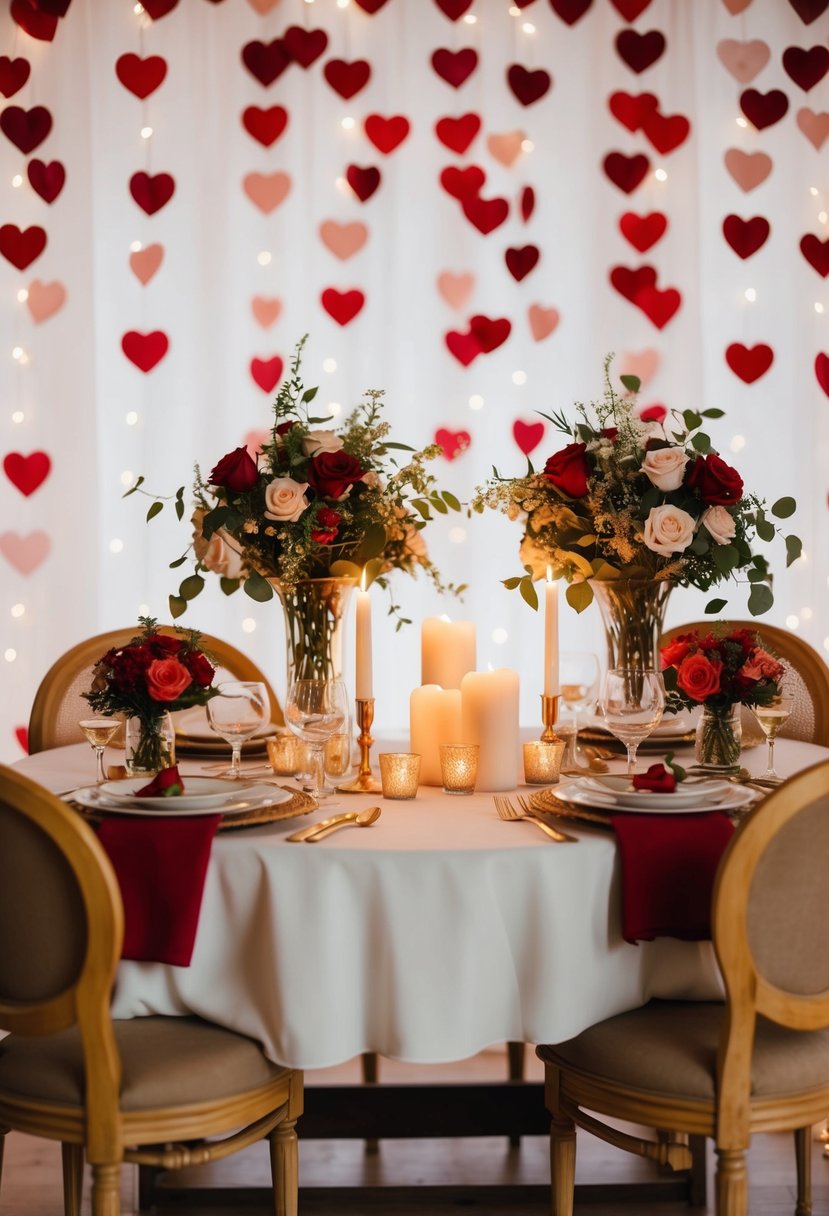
x=360, y=819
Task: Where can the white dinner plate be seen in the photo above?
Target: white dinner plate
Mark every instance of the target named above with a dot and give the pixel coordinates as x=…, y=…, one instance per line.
x=709, y=793
x=580, y=793
x=244, y=798
x=199, y=793
x=672, y=726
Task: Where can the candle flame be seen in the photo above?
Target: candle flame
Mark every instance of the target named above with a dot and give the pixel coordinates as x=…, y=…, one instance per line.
x=444, y=617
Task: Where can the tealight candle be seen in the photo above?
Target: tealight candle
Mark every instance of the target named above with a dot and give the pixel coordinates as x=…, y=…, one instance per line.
x=283, y=754
x=399, y=774
x=542, y=762
x=459, y=767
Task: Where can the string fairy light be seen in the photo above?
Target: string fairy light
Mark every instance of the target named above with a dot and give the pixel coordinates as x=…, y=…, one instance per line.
x=476, y=402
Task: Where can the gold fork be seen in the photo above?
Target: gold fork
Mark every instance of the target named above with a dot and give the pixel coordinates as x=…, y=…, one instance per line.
x=509, y=814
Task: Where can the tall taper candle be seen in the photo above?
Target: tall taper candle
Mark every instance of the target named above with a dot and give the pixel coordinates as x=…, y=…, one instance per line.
x=363, y=680
x=551, y=682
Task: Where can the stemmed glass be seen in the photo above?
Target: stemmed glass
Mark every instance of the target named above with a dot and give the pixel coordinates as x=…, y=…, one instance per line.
x=99, y=732
x=771, y=717
x=632, y=704
x=241, y=707
x=315, y=711
x=579, y=676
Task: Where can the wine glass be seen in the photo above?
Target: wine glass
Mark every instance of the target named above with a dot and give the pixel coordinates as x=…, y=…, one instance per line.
x=315, y=711
x=238, y=711
x=632, y=704
x=579, y=677
x=771, y=717
x=99, y=732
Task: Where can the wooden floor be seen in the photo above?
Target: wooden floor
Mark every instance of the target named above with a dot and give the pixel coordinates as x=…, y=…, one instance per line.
x=31, y=1184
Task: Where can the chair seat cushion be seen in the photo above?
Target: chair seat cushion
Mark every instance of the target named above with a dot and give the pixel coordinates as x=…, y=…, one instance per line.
x=670, y=1048
x=166, y=1061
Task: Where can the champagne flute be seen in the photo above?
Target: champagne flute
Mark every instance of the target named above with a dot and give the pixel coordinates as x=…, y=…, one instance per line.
x=238, y=711
x=632, y=704
x=99, y=732
x=771, y=717
x=315, y=711
x=579, y=676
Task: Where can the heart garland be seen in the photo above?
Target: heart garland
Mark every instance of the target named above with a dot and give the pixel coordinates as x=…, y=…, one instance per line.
x=46, y=180
x=27, y=473
x=816, y=253
x=809, y=10
x=455, y=288
x=639, y=287
x=267, y=373
x=806, y=68
x=452, y=443
x=543, y=321
x=643, y=231
x=363, y=181
x=526, y=203
x=145, y=262
x=141, y=76
x=21, y=734
x=266, y=61
x=485, y=214
x=640, y=51
x=152, y=191
x=763, y=109
x=145, y=350
x=570, y=11
x=748, y=169
x=36, y=24
x=343, y=306
x=343, y=240
x=21, y=248
x=304, y=46
x=347, y=79
x=387, y=133
x=266, y=190
x=455, y=67
x=265, y=126
x=822, y=371
x=626, y=172
x=527, y=435
x=266, y=310
x=484, y=335
x=631, y=111
x=26, y=128
x=458, y=133
x=13, y=74
x=520, y=261
x=814, y=126
x=43, y=300
x=744, y=60
x=25, y=553
x=746, y=236
x=528, y=86
x=749, y=362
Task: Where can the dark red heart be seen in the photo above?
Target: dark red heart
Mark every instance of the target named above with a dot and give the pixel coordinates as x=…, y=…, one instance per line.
x=265, y=126
x=631, y=111
x=822, y=371
x=628, y=282
x=639, y=51
x=806, y=68
x=749, y=362
x=643, y=231
x=145, y=350
x=21, y=248
x=527, y=435
x=570, y=11
x=485, y=214
x=370, y=6
x=37, y=24
x=526, y=203
x=21, y=734
x=26, y=128
x=141, y=76
x=54, y=8
x=666, y=131
x=521, y=260
x=455, y=66
x=304, y=46
x=363, y=181
x=343, y=306
x=266, y=372
x=46, y=180
x=156, y=9
x=490, y=332
x=746, y=236
x=27, y=473
x=152, y=192
x=630, y=9
x=453, y=9
x=763, y=109
x=458, y=133
x=13, y=75
x=816, y=253
x=658, y=306
x=452, y=443
x=463, y=183
x=809, y=10
x=347, y=78
x=528, y=86
x=387, y=133
x=266, y=61
x=626, y=172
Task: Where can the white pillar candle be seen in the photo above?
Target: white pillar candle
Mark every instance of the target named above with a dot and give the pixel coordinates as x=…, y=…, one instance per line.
x=434, y=718
x=447, y=651
x=363, y=680
x=551, y=679
x=489, y=717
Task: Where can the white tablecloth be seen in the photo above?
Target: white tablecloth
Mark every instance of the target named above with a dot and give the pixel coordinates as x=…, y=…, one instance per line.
x=436, y=933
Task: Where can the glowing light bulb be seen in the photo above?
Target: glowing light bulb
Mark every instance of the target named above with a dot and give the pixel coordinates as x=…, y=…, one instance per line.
x=660, y=175
x=528, y=27
x=335, y=409
x=116, y=545
x=138, y=9
x=10, y=655
x=127, y=477
x=476, y=402
x=514, y=10
x=737, y=444
x=17, y=181
x=22, y=295
x=146, y=132
x=499, y=636
x=818, y=307
x=17, y=352
x=329, y=365
x=457, y=536
x=249, y=624
x=143, y=610
x=750, y=294
x=135, y=246
x=348, y=124
x=806, y=614
x=519, y=377
x=264, y=258
x=527, y=145
x=18, y=610
x=470, y=19
x=813, y=190
x=792, y=621
x=131, y=418
x=18, y=416
x=741, y=122
x=343, y=3
x=822, y=216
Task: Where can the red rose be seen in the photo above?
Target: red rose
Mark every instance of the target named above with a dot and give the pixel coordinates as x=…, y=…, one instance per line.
x=609, y=432
x=673, y=654
x=699, y=677
x=167, y=679
x=164, y=645
x=282, y=428
x=237, y=471
x=331, y=473
x=658, y=778
x=568, y=470
x=166, y=784
x=200, y=667
x=715, y=481
x=329, y=522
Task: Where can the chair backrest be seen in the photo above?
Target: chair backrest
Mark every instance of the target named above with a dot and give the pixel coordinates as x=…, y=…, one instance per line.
x=807, y=676
x=58, y=705
x=768, y=908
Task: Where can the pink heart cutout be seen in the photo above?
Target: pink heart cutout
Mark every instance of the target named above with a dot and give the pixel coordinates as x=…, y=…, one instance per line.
x=266, y=190
x=455, y=288
x=527, y=435
x=255, y=441
x=145, y=262
x=343, y=240
x=45, y=299
x=643, y=363
x=263, y=6
x=265, y=309
x=736, y=6
x=749, y=169
x=743, y=59
x=543, y=321
x=506, y=148
x=25, y=553
x=814, y=126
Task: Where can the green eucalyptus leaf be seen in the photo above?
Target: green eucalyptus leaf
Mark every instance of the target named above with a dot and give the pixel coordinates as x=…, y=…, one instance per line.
x=139, y=481
x=178, y=562
x=765, y=529
x=258, y=588
x=372, y=544
x=528, y=593
x=229, y=585
x=579, y=596
x=784, y=507
x=691, y=419
x=713, y=412
x=760, y=599
x=701, y=443
x=191, y=586
x=511, y=583
x=631, y=383
x=439, y=505
x=724, y=558
x=155, y=509
x=421, y=507
x=451, y=500
x=757, y=576
x=178, y=606
x=794, y=548
x=309, y=395
x=714, y=606
x=345, y=569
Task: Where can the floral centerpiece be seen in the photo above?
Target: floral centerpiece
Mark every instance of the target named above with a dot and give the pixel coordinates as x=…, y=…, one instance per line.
x=152, y=675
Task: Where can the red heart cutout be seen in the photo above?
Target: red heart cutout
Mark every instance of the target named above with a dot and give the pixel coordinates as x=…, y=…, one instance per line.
x=763, y=109
x=156, y=9
x=666, y=131
x=265, y=126
x=626, y=172
x=526, y=203
x=47, y=180
x=26, y=128
x=141, y=76
x=639, y=51
x=629, y=282
x=462, y=183
x=643, y=231
x=528, y=86
x=21, y=734
x=521, y=261
x=653, y=413
x=630, y=9
x=145, y=350
x=491, y=333
x=370, y=6
x=152, y=192
x=36, y=24
x=465, y=347
x=452, y=443
x=267, y=372
x=746, y=236
x=658, y=306
x=13, y=75
x=27, y=473
x=304, y=46
x=363, y=181
x=570, y=10
x=53, y=8
x=806, y=68
x=749, y=362
x=343, y=306
x=816, y=253
x=822, y=371
x=458, y=133
x=809, y=10
x=347, y=78
x=631, y=111
x=387, y=133
x=266, y=61
x=455, y=66
x=485, y=214
x=453, y=9
x=22, y=247
x=527, y=435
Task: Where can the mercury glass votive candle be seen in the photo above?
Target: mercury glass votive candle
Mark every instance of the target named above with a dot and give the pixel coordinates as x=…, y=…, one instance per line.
x=399, y=774
x=284, y=754
x=542, y=762
x=459, y=767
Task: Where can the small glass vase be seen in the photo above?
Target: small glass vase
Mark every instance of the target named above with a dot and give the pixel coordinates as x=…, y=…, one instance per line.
x=633, y=612
x=150, y=745
x=719, y=739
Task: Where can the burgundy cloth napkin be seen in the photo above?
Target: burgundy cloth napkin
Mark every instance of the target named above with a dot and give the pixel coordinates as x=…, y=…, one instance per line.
x=160, y=866
x=668, y=867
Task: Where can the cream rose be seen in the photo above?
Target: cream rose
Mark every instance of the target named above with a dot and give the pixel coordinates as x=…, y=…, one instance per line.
x=720, y=524
x=665, y=467
x=219, y=554
x=285, y=500
x=321, y=441
x=668, y=530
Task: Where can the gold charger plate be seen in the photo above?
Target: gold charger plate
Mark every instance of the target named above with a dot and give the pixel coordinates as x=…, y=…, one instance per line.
x=298, y=804
x=655, y=743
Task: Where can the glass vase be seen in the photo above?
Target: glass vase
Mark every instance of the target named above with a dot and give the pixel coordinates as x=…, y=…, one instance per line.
x=633, y=612
x=719, y=739
x=150, y=745
x=314, y=612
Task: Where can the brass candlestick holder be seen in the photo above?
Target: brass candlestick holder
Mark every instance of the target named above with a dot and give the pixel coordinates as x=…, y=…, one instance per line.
x=549, y=717
x=364, y=783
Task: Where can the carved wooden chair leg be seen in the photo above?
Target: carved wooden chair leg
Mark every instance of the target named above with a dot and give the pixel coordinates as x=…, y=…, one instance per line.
x=284, y=1167
x=370, y=1062
x=72, y=1155
x=562, y=1163
x=106, y=1190
x=731, y=1182
x=803, y=1160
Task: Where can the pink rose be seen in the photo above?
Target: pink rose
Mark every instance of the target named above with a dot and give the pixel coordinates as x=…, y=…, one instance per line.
x=699, y=677
x=760, y=665
x=167, y=679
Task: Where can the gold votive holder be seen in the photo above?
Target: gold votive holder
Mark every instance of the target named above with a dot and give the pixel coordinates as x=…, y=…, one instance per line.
x=284, y=754
x=459, y=767
x=542, y=762
x=399, y=774
x=338, y=754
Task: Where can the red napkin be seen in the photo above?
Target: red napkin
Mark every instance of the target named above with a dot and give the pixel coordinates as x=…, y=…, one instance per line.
x=668, y=868
x=160, y=867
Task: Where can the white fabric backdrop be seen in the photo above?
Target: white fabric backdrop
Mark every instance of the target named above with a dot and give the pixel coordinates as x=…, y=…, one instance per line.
x=72, y=395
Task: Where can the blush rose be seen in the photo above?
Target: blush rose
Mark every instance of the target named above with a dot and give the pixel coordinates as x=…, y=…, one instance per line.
x=699, y=676
x=720, y=525
x=760, y=665
x=321, y=441
x=285, y=500
x=668, y=529
x=568, y=470
x=665, y=468
x=167, y=679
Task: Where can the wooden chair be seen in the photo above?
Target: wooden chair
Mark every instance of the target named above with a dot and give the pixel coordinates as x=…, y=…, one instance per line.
x=808, y=676
x=104, y=1088
x=758, y=1062
x=58, y=704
